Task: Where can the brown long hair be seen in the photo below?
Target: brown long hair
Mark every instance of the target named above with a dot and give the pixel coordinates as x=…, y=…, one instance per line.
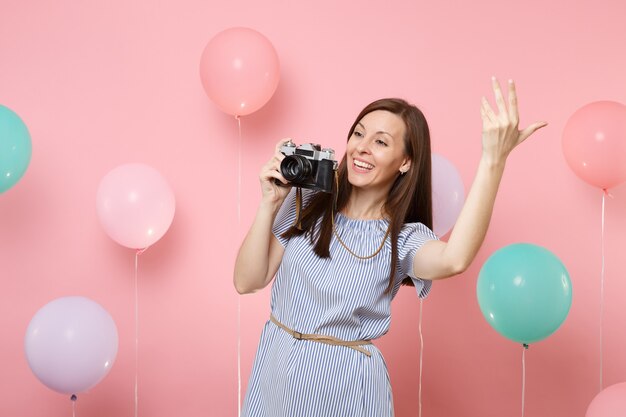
x=409, y=199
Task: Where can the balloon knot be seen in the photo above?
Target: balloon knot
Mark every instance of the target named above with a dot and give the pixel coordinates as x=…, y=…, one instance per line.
x=73, y=397
x=525, y=345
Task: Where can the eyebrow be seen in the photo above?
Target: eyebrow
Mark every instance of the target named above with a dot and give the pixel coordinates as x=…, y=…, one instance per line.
x=380, y=131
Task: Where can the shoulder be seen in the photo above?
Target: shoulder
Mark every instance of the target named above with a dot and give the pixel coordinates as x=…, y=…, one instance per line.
x=412, y=236
x=415, y=230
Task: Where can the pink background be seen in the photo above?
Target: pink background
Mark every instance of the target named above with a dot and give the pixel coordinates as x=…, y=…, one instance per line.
x=100, y=84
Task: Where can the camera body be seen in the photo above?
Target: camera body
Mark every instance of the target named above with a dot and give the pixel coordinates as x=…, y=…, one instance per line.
x=308, y=166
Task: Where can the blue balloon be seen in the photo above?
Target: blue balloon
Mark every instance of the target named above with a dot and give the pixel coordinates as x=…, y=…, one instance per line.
x=15, y=148
x=524, y=292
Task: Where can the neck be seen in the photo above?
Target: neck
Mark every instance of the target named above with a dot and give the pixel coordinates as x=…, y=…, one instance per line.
x=365, y=205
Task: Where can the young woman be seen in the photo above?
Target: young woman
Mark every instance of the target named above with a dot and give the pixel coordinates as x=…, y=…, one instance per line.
x=340, y=266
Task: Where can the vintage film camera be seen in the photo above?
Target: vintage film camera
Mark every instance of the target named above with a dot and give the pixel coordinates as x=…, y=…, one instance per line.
x=308, y=166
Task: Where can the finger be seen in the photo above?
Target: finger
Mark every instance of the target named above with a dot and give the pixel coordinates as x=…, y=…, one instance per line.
x=272, y=165
x=277, y=175
x=499, y=97
x=281, y=143
x=487, y=110
x=531, y=129
x=483, y=115
x=513, y=109
x=269, y=174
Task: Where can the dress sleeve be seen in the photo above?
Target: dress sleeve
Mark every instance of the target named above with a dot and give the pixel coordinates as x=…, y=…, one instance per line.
x=287, y=214
x=411, y=238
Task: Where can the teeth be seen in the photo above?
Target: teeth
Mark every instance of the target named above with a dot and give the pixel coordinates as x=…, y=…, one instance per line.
x=364, y=165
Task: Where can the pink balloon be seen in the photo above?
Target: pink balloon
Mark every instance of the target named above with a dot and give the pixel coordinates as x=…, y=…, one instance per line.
x=448, y=194
x=610, y=402
x=239, y=70
x=594, y=143
x=71, y=344
x=135, y=205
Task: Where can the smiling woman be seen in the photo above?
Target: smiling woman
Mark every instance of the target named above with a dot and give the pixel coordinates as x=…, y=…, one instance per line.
x=339, y=267
x=376, y=154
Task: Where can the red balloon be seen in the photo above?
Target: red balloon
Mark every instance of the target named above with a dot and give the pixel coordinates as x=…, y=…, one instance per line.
x=239, y=69
x=594, y=143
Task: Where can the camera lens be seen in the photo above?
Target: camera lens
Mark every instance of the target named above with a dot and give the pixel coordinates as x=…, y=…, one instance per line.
x=295, y=168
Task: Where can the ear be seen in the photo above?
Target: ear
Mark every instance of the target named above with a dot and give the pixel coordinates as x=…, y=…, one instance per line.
x=406, y=165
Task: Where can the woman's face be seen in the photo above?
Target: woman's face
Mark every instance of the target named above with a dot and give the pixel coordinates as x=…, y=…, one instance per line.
x=375, y=153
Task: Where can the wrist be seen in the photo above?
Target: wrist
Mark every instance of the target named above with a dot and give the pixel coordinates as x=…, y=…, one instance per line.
x=492, y=162
x=271, y=205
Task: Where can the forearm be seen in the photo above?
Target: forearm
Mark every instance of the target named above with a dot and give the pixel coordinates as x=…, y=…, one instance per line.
x=252, y=266
x=471, y=226
x=501, y=135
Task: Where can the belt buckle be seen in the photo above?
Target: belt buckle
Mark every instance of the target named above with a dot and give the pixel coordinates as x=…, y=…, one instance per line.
x=297, y=335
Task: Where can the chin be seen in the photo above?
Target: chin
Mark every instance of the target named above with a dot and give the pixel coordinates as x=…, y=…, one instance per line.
x=355, y=181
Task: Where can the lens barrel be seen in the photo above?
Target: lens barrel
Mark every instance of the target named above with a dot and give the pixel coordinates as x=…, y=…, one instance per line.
x=296, y=168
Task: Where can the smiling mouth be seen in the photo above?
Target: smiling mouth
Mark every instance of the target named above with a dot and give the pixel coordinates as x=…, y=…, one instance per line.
x=362, y=165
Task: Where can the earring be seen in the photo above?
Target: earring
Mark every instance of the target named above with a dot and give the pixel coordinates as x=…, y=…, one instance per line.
x=402, y=172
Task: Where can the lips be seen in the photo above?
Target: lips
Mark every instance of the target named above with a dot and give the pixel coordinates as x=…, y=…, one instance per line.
x=362, y=166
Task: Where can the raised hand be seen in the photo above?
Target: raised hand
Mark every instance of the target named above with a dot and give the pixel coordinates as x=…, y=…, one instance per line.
x=270, y=173
x=501, y=133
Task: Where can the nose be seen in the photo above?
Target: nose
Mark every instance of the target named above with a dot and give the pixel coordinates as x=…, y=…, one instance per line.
x=363, y=146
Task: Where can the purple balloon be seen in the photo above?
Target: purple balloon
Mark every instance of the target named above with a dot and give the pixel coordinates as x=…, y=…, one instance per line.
x=448, y=194
x=71, y=344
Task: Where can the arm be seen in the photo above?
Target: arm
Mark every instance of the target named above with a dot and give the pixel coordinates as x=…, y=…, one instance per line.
x=260, y=253
x=437, y=259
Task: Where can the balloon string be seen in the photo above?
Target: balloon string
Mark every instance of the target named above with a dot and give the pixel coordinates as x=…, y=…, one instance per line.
x=73, y=398
x=523, y=376
x=604, y=194
x=137, y=253
x=239, y=172
x=239, y=298
x=421, y=359
x=239, y=356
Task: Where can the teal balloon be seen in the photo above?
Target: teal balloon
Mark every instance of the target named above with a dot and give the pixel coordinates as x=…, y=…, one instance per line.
x=524, y=292
x=15, y=148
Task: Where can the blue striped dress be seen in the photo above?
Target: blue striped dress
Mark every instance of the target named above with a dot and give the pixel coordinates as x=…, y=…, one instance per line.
x=343, y=297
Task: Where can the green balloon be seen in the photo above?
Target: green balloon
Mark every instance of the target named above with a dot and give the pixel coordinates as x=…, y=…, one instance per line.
x=15, y=148
x=524, y=292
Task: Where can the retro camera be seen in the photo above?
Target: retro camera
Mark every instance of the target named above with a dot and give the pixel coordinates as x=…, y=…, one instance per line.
x=308, y=166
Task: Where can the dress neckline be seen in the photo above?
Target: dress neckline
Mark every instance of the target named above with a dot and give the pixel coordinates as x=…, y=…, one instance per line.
x=341, y=220
x=348, y=218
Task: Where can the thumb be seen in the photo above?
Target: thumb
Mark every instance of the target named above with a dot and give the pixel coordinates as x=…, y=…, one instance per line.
x=531, y=129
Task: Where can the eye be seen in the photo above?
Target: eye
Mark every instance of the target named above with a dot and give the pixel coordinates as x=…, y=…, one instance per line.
x=357, y=134
x=381, y=142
